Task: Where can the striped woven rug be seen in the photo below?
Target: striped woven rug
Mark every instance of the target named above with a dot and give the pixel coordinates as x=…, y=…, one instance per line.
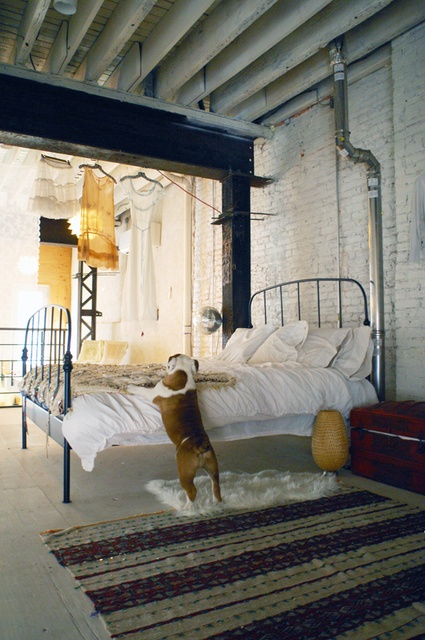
x=348, y=566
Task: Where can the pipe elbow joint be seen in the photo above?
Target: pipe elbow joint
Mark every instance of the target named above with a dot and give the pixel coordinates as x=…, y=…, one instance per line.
x=344, y=145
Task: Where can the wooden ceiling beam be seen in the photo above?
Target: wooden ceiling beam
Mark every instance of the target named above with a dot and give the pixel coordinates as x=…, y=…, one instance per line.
x=324, y=89
x=32, y=20
x=383, y=27
x=70, y=35
x=313, y=35
x=225, y=23
x=272, y=27
x=143, y=57
x=120, y=27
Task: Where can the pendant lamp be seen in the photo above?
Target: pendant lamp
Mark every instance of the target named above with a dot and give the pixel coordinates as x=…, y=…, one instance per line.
x=66, y=7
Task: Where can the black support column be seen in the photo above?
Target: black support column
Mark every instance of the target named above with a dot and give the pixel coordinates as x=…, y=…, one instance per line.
x=235, y=220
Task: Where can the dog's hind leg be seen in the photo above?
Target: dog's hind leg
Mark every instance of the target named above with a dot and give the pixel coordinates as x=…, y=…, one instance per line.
x=210, y=464
x=187, y=468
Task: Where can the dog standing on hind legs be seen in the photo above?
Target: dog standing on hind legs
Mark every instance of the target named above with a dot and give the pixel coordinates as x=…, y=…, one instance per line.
x=176, y=397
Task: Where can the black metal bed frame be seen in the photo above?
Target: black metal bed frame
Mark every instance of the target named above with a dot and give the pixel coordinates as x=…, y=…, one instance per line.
x=281, y=287
x=47, y=350
x=47, y=346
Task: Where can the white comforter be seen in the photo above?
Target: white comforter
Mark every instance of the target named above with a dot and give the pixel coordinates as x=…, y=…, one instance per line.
x=286, y=397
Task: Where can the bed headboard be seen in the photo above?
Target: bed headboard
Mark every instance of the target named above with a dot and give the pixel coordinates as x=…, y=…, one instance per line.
x=47, y=346
x=337, y=301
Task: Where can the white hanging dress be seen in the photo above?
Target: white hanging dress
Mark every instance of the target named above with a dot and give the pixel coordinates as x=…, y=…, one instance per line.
x=139, y=287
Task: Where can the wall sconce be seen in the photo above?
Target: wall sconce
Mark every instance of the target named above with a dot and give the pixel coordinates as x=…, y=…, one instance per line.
x=66, y=7
x=207, y=320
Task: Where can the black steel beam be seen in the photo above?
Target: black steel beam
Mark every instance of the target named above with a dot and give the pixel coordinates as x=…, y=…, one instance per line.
x=51, y=117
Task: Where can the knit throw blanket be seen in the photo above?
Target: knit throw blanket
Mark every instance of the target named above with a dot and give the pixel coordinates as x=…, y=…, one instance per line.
x=106, y=378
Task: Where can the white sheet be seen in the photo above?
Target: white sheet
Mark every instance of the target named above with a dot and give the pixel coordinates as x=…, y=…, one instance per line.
x=262, y=396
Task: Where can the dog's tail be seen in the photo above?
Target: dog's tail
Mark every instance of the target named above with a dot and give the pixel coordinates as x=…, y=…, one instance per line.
x=202, y=444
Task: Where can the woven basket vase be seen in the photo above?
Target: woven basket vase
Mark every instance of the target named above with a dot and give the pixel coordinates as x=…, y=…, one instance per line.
x=330, y=441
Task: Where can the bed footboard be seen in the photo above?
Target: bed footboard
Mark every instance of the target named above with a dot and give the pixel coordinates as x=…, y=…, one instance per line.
x=45, y=355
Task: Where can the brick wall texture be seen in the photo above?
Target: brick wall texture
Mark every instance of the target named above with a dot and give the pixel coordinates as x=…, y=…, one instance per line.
x=318, y=199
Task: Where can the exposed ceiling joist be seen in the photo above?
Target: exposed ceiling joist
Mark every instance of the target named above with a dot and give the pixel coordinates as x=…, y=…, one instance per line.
x=324, y=89
x=224, y=24
x=359, y=42
x=30, y=25
x=314, y=35
x=281, y=20
x=70, y=36
x=142, y=59
x=119, y=28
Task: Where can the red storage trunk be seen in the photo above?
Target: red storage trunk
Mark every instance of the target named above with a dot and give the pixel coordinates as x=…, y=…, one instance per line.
x=388, y=444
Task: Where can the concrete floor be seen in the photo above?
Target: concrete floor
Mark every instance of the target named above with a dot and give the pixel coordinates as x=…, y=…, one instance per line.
x=38, y=599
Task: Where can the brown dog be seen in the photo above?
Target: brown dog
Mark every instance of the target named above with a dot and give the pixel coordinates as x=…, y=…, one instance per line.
x=177, y=400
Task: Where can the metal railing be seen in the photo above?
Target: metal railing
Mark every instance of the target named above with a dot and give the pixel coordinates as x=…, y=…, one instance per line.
x=11, y=345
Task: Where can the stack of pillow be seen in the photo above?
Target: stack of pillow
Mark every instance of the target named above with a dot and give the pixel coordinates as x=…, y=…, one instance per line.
x=348, y=350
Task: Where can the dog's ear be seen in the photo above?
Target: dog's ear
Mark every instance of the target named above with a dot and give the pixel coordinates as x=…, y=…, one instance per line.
x=196, y=365
x=171, y=365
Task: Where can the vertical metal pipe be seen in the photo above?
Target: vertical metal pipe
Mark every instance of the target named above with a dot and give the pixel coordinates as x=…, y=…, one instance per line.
x=346, y=149
x=376, y=271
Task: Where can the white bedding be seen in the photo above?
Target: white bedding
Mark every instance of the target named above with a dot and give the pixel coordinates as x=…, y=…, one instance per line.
x=267, y=399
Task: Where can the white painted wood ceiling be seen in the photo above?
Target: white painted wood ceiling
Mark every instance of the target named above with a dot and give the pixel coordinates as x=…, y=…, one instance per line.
x=253, y=60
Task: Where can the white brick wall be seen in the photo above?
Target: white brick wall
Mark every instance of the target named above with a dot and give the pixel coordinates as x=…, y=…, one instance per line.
x=206, y=262
x=408, y=55
x=311, y=235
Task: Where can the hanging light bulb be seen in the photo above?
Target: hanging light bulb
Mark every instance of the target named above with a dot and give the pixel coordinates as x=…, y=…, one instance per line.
x=66, y=7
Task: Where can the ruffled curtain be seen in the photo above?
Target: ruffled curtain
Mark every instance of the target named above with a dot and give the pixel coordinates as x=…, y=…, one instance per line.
x=96, y=242
x=54, y=193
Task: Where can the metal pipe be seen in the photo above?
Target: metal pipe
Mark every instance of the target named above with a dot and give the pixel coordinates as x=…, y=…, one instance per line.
x=376, y=271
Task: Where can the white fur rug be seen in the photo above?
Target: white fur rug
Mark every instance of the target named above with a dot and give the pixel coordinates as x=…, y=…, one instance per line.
x=245, y=491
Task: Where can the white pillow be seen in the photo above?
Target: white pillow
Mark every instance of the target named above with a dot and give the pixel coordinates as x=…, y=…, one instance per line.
x=244, y=342
x=335, y=336
x=114, y=352
x=366, y=367
x=281, y=345
x=316, y=351
x=353, y=352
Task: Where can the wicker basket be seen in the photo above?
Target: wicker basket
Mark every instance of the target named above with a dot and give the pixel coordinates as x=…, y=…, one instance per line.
x=330, y=441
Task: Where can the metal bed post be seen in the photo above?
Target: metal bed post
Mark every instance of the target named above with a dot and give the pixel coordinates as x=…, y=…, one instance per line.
x=47, y=348
x=24, y=400
x=67, y=368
